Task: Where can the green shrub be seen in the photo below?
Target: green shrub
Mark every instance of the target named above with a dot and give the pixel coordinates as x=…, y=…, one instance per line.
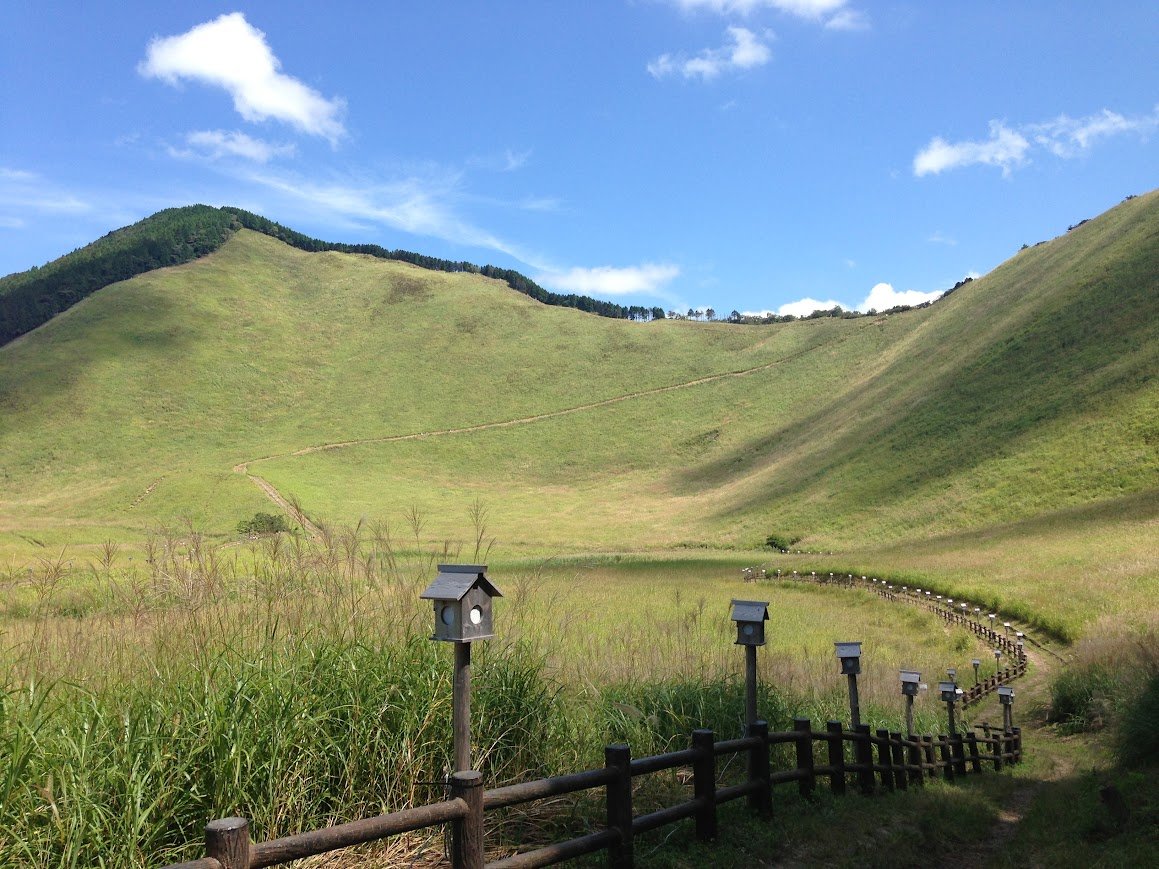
x=263, y=523
x=1080, y=698
x=1138, y=733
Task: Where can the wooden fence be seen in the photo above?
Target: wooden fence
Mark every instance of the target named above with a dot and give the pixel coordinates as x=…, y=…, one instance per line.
x=866, y=761
x=966, y=619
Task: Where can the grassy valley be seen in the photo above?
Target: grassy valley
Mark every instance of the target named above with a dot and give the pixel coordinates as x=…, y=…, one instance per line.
x=1001, y=445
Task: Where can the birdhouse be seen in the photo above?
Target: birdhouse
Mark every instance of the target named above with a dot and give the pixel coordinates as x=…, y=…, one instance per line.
x=462, y=596
x=949, y=691
x=850, y=655
x=750, y=617
x=1005, y=695
x=910, y=682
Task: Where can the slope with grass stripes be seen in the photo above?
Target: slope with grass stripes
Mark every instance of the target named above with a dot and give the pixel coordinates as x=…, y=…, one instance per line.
x=364, y=387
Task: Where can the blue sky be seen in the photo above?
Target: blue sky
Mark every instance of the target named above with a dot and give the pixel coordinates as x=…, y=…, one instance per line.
x=734, y=154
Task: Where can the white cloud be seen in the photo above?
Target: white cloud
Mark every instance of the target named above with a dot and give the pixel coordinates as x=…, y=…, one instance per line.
x=607, y=280
x=10, y=222
x=1005, y=148
x=745, y=52
x=848, y=19
x=1008, y=148
x=812, y=9
x=940, y=237
x=216, y=144
x=805, y=307
x=27, y=191
x=1067, y=137
x=883, y=297
x=230, y=53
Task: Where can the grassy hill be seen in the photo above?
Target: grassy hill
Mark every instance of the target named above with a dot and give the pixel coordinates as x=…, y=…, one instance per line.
x=1016, y=419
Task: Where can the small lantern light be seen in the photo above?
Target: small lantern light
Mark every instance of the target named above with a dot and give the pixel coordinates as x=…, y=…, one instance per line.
x=1006, y=628
x=949, y=691
x=462, y=596
x=977, y=663
x=952, y=672
x=750, y=617
x=1005, y=695
x=850, y=655
x=910, y=680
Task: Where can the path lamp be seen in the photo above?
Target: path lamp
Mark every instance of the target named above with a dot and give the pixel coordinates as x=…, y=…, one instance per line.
x=997, y=659
x=1006, y=698
x=1020, y=650
x=977, y=662
x=850, y=655
x=462, y=596
x=750, y=617
x=1006, y=628
x=978, y=614
x=949, y=692
x=910, y=685
x=992, y=617
x=952, y=672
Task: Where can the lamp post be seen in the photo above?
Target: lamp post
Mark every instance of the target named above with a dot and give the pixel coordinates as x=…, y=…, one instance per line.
x=910, y=685
x=949, y=693
x=462, y=596
x=850, y=655
x=1006, y=698
x=977, y=663
x=750, y=617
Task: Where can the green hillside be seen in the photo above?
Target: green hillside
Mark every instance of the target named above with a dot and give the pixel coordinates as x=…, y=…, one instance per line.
x=366, y=387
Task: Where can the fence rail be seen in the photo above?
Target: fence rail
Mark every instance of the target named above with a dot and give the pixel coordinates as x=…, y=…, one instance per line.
x=882, y=761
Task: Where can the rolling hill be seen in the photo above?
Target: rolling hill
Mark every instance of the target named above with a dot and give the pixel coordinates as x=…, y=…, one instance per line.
x=367, y=387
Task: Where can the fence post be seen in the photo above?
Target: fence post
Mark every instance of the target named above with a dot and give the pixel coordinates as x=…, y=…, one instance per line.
x=885, y=759
x=762, y=801
x=958, y=747
x=1016, y=738
x=944, y=753
x=704, y=783
x=227, y=840
x=914, y=751
x=804, y=727
x=864, y=760
x=975, y=761
x=836, y=758
x=900, y=779
x=467, y=832
x=619, y=800
x=928, y=752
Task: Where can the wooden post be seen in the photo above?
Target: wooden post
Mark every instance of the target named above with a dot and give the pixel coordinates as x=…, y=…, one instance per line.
x=704, y=783
x=836, y=757
x=885, y=759
x=900, y=779
x=619, y=800
x=864, y=755
x=227, y=840
x=914, y=751
x=995, y=742
x=1017, y=737
x=461, y=714
x=803, y=728
x=944, y=754
x=854, y=705
x=467, y=832
x=909, y=715
x=959, y=751
x=975, y=760
x=928, y=751
x=762, y=801
x=750, y=684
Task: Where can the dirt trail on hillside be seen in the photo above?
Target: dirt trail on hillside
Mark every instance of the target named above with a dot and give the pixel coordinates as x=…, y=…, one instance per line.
x=277, y=498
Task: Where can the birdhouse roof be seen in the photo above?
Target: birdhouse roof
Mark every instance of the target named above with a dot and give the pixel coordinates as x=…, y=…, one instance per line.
x=750, y=610
x=455, y=580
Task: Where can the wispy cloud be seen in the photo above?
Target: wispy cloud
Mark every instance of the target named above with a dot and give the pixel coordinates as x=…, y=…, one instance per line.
x=1008, y=148
x=230, y=53
x=848, y=20
x=607, y=280
x=1005, y=149
x=216, y=144
x=812, y=9
x=29, y=192
x=744, y=51
x=940, y=237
